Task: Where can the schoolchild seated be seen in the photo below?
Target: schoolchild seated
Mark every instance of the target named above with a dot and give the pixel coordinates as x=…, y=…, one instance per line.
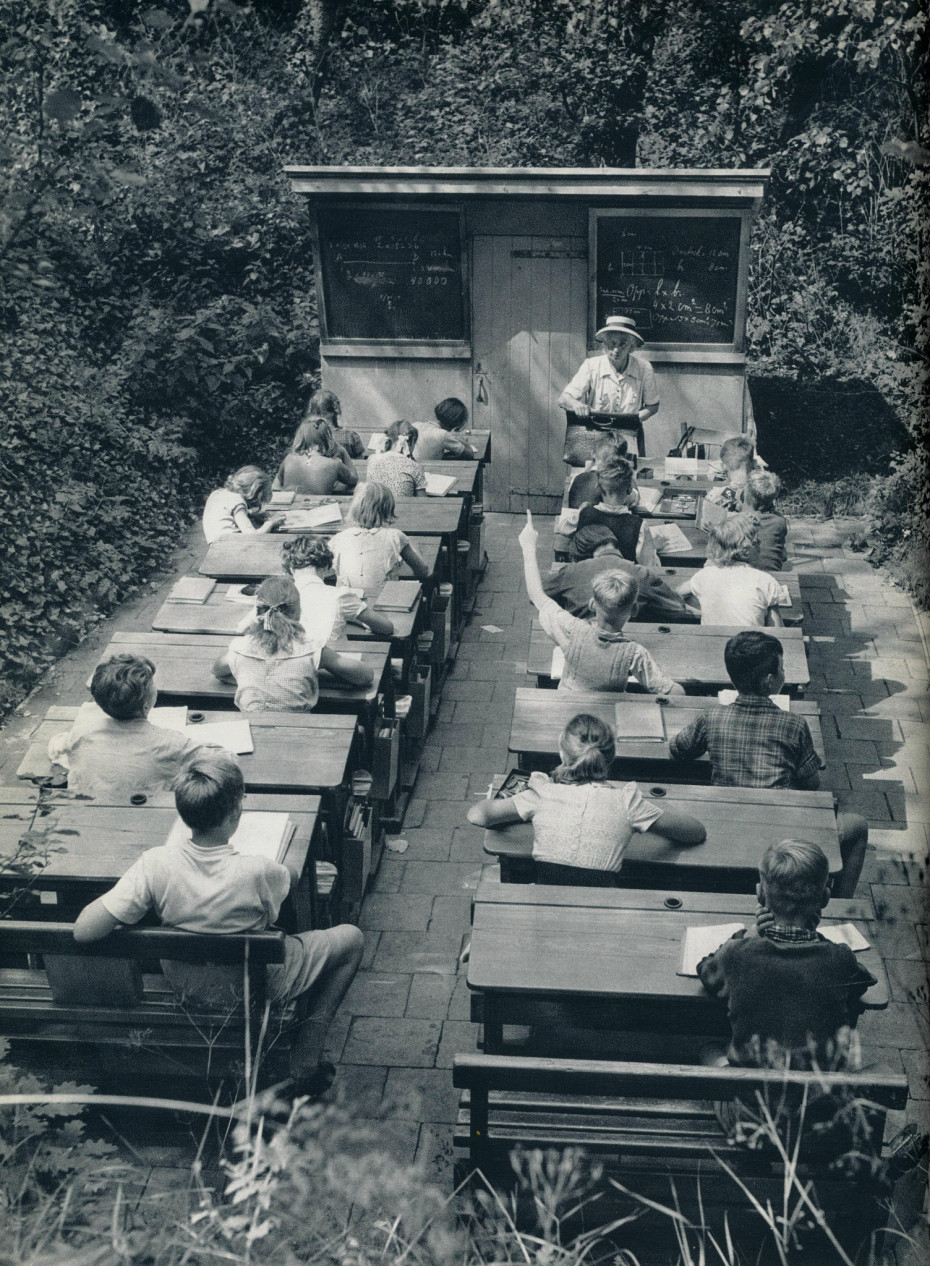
x=598, y=655
x=753, y=743
x=199, y=883
x=583, y=822
x=238, y=506
x=113, y=748
x=608, y=449
x=439, y=440
x=728, y=589
x=394, y=467
x=325, y=404
x=326, y=609
x=316, y=465
x=369, y=550
x=770, y=528
x=594, y=551
x=792, y=997
x=616, y=495
x=737, y=457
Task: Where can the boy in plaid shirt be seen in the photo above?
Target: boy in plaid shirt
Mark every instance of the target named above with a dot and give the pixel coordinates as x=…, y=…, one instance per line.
x=753, y=743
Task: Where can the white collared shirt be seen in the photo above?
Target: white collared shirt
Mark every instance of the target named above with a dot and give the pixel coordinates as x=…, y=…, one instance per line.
x=598, y=385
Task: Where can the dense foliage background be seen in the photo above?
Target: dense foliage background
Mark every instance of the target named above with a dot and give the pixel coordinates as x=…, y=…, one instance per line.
x=156, y=296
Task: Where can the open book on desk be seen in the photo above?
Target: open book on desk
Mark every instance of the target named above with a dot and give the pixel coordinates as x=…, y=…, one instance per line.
x=259, y=834
x=668, y=538
x=438, y=485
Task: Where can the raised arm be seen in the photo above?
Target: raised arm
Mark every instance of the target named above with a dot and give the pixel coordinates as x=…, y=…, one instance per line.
x=534, y=586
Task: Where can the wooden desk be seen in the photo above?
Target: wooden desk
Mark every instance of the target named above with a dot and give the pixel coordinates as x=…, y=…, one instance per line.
x=221, y=617
x=695, y=557
x=92, y=844
x=184, y=672
x=539, y=716
x=296, y=752
x=416, y=516
x=243, y=559
x=741, y=822
x=607, y=958
x=690, y=653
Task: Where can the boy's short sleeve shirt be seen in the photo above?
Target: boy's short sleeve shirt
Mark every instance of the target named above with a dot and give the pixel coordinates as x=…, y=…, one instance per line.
x=109, y=757
x=751, y=743
x=200, y=889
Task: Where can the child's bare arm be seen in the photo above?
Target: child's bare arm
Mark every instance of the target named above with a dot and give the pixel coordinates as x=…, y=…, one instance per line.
x=493, y=813
x=679, y=827
x=534, y=586
x=348, y=670
x=221, y=668
x=95, y=922
x=379, y=624
x=416, y=564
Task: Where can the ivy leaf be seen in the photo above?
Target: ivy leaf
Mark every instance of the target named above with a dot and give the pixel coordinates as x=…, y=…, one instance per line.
x=63, y=104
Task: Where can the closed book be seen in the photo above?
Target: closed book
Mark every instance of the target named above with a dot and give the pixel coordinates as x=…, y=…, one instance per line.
x=398, y=595
x=191, y=589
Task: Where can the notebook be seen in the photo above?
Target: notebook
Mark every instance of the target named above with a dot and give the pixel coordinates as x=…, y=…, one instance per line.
x=668, y=538
x=698, y=942
x=781, y=701
x=709, y=514
x=260, y=834
x=234, y=736
x=649, y=499
x=398, y=595
x=438, y=485
x=845, y=934
x=168, y=718
x=326, y=515
x=196, y=589
x=639, y=719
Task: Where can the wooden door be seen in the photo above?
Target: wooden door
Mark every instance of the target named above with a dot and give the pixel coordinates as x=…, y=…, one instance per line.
x=529, y=316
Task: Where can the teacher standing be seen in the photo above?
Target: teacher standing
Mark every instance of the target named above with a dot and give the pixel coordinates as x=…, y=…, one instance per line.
x=619, y=383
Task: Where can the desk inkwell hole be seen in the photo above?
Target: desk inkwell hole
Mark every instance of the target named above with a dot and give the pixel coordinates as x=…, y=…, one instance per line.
x=673, y=903
x=658, y=792
x=138, y=797
x=671, y=571
x=662, y=701
x=664, y=628
x=195, y=717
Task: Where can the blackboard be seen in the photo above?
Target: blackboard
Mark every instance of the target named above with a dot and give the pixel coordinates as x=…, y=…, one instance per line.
x=392, y=274
x=676, y=276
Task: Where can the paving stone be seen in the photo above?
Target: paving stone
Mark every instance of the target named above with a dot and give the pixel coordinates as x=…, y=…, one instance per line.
x=421, y=1094
x=440, y=878
x=398, y=1139
x=361, y=1087
x=458, y=1036
x=896, y=1025
x=441, y=814
x=908, y=978
x=372, y=940
x=392, y=1042
x=452, y=912
x=384, y=912
x=426, y=845
x=468, y=845
x=430, y=996
x=917, y=1067
x=476, y=759
x=336, y=1036
x=377, y=993
x=435, y=1155
x=419, y=951
x=900, y=903
x=389, y=876
x=460, y=1005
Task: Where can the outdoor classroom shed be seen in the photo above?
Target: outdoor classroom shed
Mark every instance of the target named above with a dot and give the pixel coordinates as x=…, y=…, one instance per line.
x=488, y=284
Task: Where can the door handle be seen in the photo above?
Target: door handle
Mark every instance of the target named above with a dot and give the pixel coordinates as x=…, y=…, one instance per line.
x=481, y=394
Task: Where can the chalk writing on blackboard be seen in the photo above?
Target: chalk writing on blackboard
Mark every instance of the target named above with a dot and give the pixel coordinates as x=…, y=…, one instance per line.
x=676, y=276
x=392, y=274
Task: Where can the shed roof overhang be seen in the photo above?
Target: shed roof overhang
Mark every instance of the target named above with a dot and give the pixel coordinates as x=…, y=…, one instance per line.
x=701, y=184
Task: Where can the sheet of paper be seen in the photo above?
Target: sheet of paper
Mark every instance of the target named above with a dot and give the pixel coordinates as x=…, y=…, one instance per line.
x=669, y=538
x=682, y=466
x=726, y=697
x=262, y=834
x=558, y=664
x=169, y=718
x=784, y=599
x=845, y=934
x=235, y=736
x=639, y=719
x=376, y=442
x=282, y=497
x=698, y=942
x=438, y=485
x=234, y=593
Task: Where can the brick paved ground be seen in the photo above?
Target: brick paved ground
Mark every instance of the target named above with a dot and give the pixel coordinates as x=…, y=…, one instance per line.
x=407, y=1012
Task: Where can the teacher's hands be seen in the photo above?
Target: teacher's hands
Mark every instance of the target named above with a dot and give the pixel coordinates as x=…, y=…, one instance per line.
x=581, y=410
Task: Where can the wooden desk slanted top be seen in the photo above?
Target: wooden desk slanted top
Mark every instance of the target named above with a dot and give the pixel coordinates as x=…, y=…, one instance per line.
x=416, y=516
x=242, y=559
x=643, y=724
x=608, y=957
x=690, y=653
x=92, y=843
x=184, y=671
x=298, y=752
x=741, y=822
x=222, y=615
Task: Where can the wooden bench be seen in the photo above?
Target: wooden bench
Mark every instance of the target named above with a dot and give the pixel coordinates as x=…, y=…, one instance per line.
x=103, y=1007
x=653, y=1125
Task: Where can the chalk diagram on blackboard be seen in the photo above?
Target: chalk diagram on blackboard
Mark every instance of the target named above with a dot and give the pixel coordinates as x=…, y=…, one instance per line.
x=676, y=277
x=392, y=274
